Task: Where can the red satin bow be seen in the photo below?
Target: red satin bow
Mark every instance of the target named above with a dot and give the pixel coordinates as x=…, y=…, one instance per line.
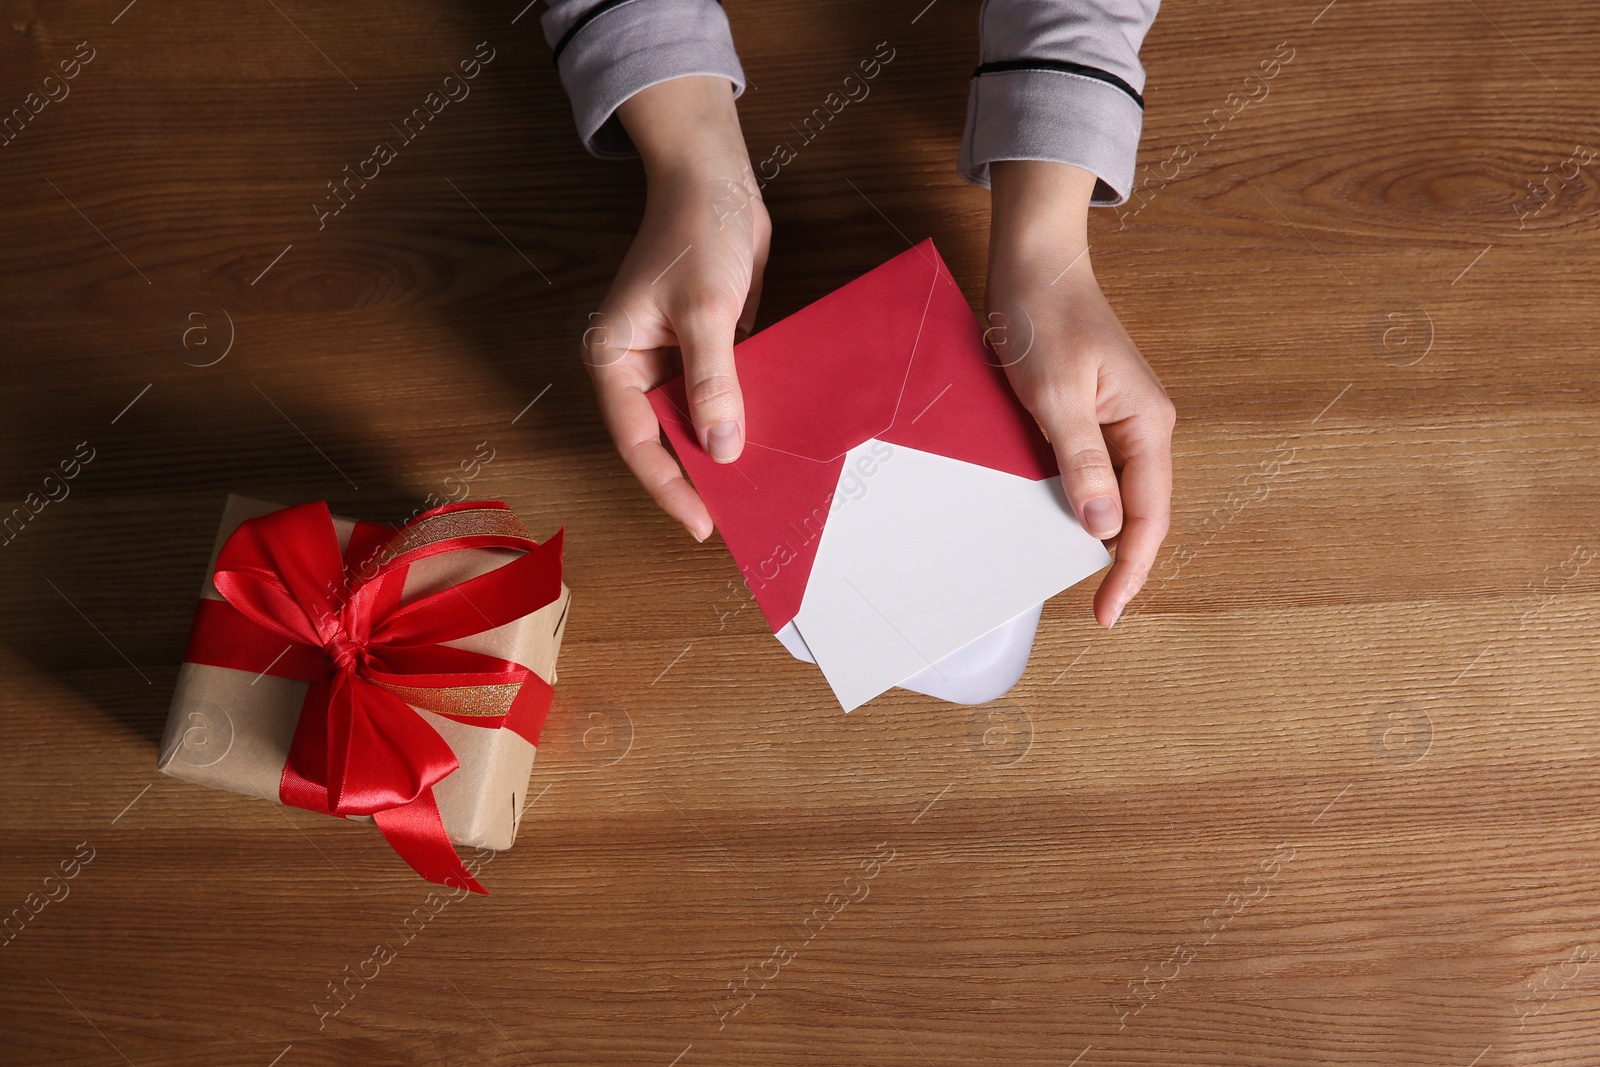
x=294, y=604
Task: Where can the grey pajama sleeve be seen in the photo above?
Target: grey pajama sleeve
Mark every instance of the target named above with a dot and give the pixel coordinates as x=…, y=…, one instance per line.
x=606, y=51
x=1059, y=80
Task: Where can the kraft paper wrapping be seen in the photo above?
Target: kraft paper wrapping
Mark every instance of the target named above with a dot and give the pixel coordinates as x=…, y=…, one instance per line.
x=232, y=729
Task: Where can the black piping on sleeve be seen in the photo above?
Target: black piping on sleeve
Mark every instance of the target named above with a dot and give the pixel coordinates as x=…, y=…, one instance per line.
x=1060, y=66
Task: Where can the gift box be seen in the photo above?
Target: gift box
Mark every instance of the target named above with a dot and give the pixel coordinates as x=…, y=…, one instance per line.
x=393, y=676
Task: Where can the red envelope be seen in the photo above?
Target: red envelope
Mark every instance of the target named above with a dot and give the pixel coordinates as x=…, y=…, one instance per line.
x=895, y=358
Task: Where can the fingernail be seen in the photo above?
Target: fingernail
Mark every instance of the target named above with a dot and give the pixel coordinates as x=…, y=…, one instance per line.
x=1116, y=613
x=722, y=441
x=1100, y=516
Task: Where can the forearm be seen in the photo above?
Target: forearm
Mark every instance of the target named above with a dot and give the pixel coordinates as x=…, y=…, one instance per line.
x=1039, y=213
x=685, y=127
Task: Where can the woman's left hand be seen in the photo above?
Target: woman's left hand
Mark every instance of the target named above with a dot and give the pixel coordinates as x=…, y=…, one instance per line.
x=1077, y=371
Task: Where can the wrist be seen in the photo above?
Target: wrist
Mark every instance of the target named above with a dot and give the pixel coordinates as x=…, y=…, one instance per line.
x=685, y=127
x=1039, y=214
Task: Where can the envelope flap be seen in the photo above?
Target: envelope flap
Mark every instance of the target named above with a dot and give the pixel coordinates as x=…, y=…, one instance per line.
x=830, y=376
x=956, y=400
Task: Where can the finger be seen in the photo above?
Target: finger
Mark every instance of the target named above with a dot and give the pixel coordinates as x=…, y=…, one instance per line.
x=1145, y=443
x=1086, y=471
x=716, y=406
x=633, y=426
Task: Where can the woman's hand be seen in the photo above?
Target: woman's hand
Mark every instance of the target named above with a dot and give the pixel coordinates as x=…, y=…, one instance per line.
x=1076, y=369
x=687, y=289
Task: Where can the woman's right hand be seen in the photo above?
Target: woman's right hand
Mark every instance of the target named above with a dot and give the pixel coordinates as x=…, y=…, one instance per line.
x=687, y=289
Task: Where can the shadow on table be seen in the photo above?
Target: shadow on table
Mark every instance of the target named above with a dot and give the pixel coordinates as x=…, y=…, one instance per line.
x=523, y=237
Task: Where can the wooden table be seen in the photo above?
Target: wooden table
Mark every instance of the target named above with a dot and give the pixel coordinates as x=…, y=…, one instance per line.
x=1327, y=795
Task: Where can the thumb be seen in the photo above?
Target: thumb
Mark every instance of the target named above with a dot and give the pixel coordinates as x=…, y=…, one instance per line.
x=1086, y=471
x=716, y=406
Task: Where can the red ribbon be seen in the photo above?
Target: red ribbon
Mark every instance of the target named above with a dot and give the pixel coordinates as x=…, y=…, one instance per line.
x=294, y=607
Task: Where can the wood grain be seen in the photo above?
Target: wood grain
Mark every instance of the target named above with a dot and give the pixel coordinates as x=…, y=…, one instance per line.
x=1326, y=796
